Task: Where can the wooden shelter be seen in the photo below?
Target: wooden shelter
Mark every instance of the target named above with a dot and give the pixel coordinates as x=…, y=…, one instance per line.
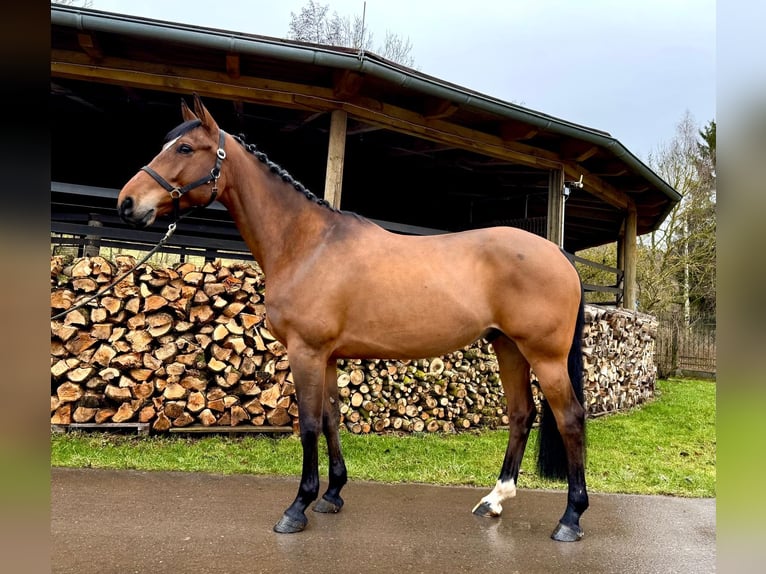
x=410, y=151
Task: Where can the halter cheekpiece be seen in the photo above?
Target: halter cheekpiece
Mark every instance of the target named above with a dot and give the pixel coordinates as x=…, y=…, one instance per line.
x=177, y=192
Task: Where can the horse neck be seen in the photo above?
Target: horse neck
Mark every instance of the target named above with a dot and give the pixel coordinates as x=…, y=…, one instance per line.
x=277, y=222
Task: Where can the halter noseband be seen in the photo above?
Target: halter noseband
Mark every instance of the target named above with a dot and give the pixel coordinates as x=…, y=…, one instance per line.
x=177, y=192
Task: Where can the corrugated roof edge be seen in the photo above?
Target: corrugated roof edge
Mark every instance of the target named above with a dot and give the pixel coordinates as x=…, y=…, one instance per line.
x=84, y=19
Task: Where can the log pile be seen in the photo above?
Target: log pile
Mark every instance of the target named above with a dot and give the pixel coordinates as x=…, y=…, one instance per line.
x=172, y=347
x=618, y=359
x=187, y=346
x=458, y=391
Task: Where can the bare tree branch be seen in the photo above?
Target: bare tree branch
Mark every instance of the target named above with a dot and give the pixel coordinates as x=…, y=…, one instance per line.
x=314, y=23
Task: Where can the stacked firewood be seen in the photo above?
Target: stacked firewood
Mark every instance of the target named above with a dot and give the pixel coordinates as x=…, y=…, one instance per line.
x=171, y=347
x=188, y=346
x=618, y=359
x=458, y=391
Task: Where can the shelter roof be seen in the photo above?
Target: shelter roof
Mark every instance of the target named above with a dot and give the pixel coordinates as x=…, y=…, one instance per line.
x=421, y=153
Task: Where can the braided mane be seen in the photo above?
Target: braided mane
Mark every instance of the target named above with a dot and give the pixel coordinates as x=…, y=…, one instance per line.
x=282, y=173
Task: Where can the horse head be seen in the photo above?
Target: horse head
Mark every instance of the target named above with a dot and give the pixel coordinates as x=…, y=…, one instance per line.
x=184, y=175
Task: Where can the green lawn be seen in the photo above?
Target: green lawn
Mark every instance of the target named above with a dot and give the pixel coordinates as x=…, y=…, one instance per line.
x=665, y=447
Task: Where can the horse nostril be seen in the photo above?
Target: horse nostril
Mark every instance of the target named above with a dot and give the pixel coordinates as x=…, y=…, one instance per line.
x=126, y=207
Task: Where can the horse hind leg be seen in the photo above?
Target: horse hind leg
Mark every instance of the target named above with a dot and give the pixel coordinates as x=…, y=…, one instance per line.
x=569, y=415
x=331, y=502
x=514, y=374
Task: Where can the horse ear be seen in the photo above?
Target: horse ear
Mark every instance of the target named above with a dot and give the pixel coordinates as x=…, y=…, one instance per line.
x=203, y=114
x=186, y=113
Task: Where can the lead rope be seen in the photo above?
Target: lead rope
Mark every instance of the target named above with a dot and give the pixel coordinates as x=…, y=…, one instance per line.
x=170, y=231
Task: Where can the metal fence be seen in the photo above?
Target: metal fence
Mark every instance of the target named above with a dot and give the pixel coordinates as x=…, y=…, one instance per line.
x=686, y=347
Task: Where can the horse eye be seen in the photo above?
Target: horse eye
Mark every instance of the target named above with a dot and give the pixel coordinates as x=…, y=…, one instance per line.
x=184, y=149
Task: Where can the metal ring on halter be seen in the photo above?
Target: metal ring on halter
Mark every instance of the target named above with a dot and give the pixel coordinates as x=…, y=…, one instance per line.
x=221, y=153
x=175, y=193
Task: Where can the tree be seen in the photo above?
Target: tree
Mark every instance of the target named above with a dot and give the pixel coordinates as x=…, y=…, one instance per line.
x=677, y=267
x=676, y=263
x=700, y=214
x=315, y=24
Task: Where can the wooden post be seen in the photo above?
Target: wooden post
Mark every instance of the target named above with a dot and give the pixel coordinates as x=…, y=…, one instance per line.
x=92, y=245
x=631, y=258
x=555, y=230
x=336, y=152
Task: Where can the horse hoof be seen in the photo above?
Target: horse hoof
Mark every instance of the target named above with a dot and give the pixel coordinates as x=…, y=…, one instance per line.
x=485, y=509
x=564, y=533
x=287, y=525
x=327, y=507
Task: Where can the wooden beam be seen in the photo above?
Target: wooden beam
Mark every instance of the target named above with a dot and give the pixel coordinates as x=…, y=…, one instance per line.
x=597, y=186
x=336, y=152
x=615, y=172
x=444, y=132
x=515, y=131
x=555, y=230
x=438, y=109
x=578, y=151
x=90, y=45
x=147, y=75
x=346, y=84
x=270, y=92
x=232, y=65
x=587, y=154
x=630, y=254
x=609, y=167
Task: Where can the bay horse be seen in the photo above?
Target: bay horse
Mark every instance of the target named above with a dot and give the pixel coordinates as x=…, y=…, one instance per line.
x=325, y=300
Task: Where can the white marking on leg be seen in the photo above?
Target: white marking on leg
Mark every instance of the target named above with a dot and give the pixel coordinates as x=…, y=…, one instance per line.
x=501, y=492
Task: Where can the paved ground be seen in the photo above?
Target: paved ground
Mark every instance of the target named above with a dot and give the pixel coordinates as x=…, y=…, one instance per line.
x=125, y=521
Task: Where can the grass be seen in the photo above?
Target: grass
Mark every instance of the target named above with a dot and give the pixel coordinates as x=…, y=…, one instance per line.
x=666, y=447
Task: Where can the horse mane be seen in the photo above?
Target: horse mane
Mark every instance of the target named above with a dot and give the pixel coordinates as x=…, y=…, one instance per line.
x=282, y=173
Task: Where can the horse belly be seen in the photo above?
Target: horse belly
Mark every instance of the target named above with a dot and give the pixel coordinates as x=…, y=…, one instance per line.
x=411, y=323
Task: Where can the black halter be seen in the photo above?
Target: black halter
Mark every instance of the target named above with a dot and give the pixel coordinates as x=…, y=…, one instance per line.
x=177, y=192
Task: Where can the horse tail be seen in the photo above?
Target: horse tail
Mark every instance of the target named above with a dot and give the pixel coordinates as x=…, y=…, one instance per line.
x=552, y=456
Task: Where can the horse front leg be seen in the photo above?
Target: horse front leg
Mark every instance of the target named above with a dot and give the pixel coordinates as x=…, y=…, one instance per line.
x=309, y=375
x=331, y=502
x=514, y=374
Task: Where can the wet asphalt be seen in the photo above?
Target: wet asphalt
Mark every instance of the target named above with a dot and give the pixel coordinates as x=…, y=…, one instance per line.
x=106, y=521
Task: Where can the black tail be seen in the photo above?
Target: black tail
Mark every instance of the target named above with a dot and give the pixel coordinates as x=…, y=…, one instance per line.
x=552, y=456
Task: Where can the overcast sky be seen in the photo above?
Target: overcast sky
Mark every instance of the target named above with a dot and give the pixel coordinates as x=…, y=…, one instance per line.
x=631, y=68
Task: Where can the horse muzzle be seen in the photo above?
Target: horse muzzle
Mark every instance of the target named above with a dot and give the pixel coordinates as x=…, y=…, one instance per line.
x=133, y=216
